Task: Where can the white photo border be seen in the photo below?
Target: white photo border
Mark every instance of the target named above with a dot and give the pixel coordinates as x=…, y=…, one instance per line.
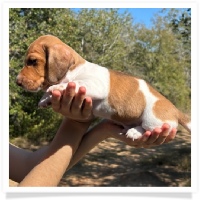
x=4, y=102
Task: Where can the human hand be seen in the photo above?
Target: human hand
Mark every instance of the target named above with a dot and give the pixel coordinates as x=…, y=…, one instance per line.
x=73, y=105
x=149, y=139
x=157, y=137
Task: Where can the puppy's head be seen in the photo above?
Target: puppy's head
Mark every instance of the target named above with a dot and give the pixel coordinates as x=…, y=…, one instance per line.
x=46, y=63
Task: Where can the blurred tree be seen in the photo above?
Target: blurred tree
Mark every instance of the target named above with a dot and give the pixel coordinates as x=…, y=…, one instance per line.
x=158, y=57
x=181, y=26
x=105, y=37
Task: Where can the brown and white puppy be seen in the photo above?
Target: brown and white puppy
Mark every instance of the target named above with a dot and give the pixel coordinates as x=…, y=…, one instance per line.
x=50, y=64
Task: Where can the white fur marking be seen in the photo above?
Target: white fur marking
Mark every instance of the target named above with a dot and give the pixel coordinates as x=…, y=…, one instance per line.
x=95, y=78
x=149, y=120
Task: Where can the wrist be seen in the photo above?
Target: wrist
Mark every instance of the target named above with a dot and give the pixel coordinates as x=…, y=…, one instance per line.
x=76, y=124
x=103, y=129
x=70, y=131
x=83, y=122
x=110, y=129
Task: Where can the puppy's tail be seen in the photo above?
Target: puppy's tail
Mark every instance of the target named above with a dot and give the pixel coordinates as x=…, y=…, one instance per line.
x=184, y=120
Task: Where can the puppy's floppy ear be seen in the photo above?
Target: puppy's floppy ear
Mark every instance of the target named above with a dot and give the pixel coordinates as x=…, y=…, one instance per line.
x=59, y=58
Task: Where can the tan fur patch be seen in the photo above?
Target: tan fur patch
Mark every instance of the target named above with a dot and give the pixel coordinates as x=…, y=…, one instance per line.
x=30, y=79
x=49, y=41
x=163, y=108
x=78, y=61
x=125, y=98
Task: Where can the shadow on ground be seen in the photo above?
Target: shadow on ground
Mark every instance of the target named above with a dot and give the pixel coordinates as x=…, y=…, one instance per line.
x=112, y=163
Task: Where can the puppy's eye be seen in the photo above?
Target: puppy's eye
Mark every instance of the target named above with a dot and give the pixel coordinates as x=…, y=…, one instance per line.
x=32, y=62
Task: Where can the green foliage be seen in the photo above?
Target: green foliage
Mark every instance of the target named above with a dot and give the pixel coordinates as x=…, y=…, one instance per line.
x=104, y=36
x=160, y=55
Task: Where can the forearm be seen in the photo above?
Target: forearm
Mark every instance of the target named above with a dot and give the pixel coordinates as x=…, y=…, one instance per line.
x=89, y=141
x=21, y=161
x=55, y=158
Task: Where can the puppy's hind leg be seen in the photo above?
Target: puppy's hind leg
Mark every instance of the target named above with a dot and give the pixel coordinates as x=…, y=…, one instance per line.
x=135, y=132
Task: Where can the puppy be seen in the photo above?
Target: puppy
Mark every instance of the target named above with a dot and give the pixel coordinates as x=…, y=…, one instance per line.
x=50, y=64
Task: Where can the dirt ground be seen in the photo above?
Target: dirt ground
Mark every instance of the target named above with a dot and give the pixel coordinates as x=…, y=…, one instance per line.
x=112, y=163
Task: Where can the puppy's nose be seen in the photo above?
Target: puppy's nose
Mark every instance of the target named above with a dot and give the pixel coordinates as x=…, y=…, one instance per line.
x=19, y=81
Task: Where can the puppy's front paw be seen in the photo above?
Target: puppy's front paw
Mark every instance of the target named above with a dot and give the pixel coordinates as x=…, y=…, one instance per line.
x=135, y=133
x=45, y=101
x=59, y=87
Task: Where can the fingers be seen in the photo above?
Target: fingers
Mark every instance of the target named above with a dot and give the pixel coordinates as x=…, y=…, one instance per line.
x=157, y=137
x=87, y=107
x=171, y=135
x=162, y=135
x=141, y=141
x=56, y=97
x=154, y=136
x=63, y=100
x=81, y=107
x=78, y=101
x=68, y=97
x=71, y=104
x=149, y=139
